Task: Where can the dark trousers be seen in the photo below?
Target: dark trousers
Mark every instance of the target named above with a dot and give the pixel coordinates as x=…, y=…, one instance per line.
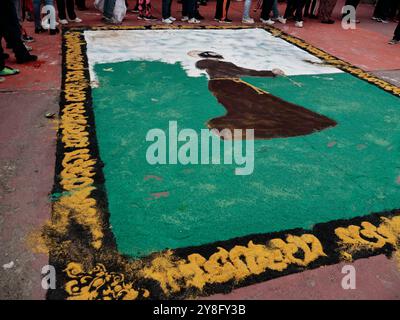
x=189, y=8
x=353, y=3
x=166, y=8
x=266, y=9
x=325, y=9
x=309, y=8
x=397, y=33
x=70, y=5
x=298, y=6
x=2, y=62
x=221, y=11
x=382, y=9
x=10, y=28
x=81, y=4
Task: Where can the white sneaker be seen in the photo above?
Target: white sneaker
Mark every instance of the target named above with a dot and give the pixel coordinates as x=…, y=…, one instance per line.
x=63, y=21
x=268, y=22
x=281, y=20
x=185, y=18
x=77, y=20
x=248, y=21
x=299, y=24
x=167, y=21
x=193, y=20
x=172, y=19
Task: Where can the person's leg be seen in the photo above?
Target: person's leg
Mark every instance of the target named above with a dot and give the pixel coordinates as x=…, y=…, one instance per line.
x=185, y=10
x=246, y=9
x=11, y=30
x=225, y=9
x=266, y=9
x=353, y=3
x=18, y=9
x=166, y=9
x=36, y=13
x=218, y=9
x=299, y=10
x=275, y=10
x=397, y=33
x=61, y=10
x=147, y=6
x=71, y=9
x=325, y=10
x=2, y=58
x=289, y=9
x=307, y=8
x=108, y=9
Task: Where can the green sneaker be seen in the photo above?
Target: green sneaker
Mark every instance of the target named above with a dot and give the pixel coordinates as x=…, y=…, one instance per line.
x=7, y=71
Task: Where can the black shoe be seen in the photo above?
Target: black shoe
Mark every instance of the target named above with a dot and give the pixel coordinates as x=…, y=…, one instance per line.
x=27, y=58
x=40, y=30
x=198, y=16
x=226, y=20
x=54, y=31
x=329, y=21
x=26, y=38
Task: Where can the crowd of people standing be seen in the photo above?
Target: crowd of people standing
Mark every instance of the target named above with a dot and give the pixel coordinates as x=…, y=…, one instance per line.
x=13, y=12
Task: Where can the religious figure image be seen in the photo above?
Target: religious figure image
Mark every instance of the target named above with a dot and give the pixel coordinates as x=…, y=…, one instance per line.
x=249, y=107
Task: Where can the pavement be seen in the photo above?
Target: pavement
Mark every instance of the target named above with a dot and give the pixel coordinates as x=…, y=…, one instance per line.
x=27, y=157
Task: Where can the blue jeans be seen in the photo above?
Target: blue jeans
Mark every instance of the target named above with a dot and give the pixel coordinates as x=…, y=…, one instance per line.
x=246, y=9
x=108, y=9
x=36, y=11
x=275, y=10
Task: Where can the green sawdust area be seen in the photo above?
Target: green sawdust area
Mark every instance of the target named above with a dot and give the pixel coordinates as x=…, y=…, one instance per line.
x=340, y=173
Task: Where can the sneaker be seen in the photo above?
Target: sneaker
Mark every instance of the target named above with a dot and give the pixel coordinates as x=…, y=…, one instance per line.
x=63, y=21
x=27, y=58
x=248, y=21
x=110, y=21
x=185, y=18
x=198, y=16
x=383, y=21
x=194, y=20
x=394, y=41
x=267, y=22
x=374, y=18
x=135, y=11
x=281, y=20
x=77, y=20
x=172, y=18
x=28, y=48
x=299, y=24
x=167, y=21
x=7, y=71
x=150, y=18
x=26, y=38
x=226, y=20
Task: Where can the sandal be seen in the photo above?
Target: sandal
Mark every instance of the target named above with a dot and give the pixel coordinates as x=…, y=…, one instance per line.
x=7, y=71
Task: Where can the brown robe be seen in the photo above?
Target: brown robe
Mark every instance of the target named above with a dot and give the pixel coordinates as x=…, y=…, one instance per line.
x=249, y=107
